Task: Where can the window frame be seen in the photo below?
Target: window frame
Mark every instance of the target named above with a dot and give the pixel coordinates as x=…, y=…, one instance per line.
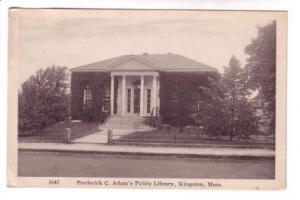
x=196, y=102
x=87, y=98
x=106, y=100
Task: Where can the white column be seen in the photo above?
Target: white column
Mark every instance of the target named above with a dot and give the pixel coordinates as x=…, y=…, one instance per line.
x=123, y=94
x=142, y=97
x=154, y=95
x=112, y=89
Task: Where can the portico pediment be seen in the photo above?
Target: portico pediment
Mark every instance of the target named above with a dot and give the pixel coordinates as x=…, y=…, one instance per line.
x=133, y=64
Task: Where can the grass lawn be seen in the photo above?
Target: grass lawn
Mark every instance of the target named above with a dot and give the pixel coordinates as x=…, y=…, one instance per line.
x=173, y=135
x=55, y=132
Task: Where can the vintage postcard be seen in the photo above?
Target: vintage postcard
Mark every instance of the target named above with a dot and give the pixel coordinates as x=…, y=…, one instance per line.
x=166, y=99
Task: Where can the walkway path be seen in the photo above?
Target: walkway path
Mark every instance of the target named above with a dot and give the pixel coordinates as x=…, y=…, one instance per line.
x=101, y=136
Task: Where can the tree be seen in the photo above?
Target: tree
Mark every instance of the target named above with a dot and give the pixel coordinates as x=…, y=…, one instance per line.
x=43, y=99
x=212, y=113
x=240, y=112
x=261, y=68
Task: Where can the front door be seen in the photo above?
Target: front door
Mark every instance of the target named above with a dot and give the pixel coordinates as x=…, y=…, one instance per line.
x=136, y=101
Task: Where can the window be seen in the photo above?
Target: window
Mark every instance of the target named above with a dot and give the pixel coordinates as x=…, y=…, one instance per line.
x=106, y=100
x=106, y=93
x=196, y=96
x=87, y=98
x=128, y=100
x=173, y=97
x=196, y=102
x=148, y=100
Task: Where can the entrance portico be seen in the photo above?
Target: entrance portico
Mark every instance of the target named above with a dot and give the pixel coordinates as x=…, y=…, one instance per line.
x=134, y=93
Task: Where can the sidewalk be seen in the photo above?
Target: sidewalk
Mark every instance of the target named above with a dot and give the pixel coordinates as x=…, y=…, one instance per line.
x=209, y=152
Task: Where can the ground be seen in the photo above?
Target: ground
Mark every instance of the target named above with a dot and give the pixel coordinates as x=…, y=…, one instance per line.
x=93, y=132
x=132, y=166
x=55, y=132
x=173, y=135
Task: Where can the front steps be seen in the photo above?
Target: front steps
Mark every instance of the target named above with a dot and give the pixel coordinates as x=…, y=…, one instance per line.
x=126, y=122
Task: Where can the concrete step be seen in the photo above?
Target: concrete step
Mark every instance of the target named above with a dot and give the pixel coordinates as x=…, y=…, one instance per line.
x=126, y=127
x=134, y=122
x=123, y=124
x=126, y=120
x=115, y=120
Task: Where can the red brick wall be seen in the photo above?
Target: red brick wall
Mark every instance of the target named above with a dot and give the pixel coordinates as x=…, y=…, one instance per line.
x=97, y=81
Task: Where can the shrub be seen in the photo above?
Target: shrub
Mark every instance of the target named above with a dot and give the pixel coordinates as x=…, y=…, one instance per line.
x=178, y=121
x=43, y=99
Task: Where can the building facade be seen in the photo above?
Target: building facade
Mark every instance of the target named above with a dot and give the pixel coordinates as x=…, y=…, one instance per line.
x=131, y=85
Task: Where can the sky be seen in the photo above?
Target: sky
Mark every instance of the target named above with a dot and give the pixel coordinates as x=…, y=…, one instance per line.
x=42, y=38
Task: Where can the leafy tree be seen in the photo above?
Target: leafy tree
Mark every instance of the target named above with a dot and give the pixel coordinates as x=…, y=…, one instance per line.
x=212, y=113
x=240, y=112
x=43, y=99
x=261, y=68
